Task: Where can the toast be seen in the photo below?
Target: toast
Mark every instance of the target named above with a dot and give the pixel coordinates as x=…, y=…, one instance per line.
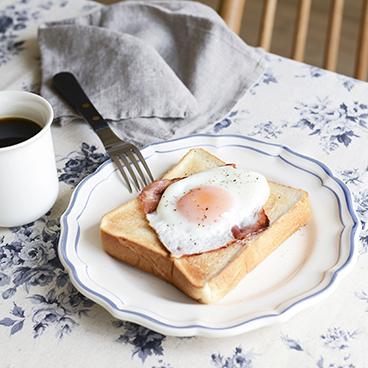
x=207, y=277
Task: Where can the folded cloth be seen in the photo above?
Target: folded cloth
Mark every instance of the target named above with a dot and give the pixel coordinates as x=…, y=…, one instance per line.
x=155, y=69
x=123, y=75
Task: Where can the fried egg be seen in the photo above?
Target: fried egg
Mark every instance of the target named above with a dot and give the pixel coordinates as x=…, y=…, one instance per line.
x=196, y=214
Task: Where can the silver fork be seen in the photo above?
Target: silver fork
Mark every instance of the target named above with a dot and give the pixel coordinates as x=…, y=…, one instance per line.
x=123, y=154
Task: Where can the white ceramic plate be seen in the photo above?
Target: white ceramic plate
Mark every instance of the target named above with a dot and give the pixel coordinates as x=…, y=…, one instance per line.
x=305, y=268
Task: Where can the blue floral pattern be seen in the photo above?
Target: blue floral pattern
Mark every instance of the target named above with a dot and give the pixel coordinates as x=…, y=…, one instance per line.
x=78, y=164
x=268, y=130
x=336, y=344
x=58, y=309
x=11, y=21
x=291, y=343
x=162, y=364
x=16, y=321
x=29, y=260
x=358, y=180
x=225, y=123
x=143, y=341
x=14, y=19
x=337, y=338
x=347, y=83
x=311, y=71
x=266, y=79
x=334, y=125
x=324, y=112
x=238, y=359
x=363, y=296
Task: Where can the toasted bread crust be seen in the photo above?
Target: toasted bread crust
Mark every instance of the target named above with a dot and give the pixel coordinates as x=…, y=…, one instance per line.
x=205, y=277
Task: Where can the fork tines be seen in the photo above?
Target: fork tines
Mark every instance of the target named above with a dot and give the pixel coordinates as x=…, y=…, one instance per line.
x=129, y=160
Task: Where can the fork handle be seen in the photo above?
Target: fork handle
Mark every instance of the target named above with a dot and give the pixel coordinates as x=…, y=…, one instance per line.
x=69, y=88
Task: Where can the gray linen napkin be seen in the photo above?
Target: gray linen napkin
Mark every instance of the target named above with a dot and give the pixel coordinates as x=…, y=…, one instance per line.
x=156, y=69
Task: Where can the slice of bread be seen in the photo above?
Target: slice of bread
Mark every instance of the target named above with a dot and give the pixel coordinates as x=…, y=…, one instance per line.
x=206, y=277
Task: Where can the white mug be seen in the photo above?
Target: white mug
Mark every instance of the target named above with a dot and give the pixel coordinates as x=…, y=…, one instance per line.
x=28, y=177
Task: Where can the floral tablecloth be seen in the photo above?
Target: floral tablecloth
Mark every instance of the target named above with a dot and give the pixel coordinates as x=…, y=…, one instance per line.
x=45, y=322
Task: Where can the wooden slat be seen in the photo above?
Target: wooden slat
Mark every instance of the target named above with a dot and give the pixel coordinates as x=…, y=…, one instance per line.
x=268, y=17
x=232, y=13
x=361, y=68
x=333, y=34
x=301, y=30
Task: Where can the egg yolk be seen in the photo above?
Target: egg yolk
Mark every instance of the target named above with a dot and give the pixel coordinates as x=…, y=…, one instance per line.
x=204, y=204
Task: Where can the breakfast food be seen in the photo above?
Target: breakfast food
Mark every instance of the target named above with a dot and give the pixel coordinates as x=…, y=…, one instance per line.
x=206, y=210
x=204, y=225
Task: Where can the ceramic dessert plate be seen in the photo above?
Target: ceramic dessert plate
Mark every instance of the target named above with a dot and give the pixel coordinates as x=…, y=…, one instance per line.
x=303, y=270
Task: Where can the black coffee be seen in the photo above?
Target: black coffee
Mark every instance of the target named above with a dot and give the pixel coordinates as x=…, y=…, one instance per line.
x=15, y=130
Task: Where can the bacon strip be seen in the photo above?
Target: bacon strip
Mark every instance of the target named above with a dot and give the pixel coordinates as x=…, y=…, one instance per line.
x=152, y=193
x=245, y=232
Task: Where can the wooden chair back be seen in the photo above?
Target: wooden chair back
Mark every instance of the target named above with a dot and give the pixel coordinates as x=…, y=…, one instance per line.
x=232, y=12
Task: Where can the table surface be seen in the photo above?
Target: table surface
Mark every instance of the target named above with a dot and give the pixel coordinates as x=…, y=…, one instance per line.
x=44, y=320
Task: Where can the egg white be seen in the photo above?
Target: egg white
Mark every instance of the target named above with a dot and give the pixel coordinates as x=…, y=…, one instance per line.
x=249, y=191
